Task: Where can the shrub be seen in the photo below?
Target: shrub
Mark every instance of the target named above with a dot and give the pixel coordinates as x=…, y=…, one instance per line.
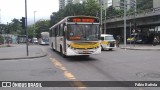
x=1, y=39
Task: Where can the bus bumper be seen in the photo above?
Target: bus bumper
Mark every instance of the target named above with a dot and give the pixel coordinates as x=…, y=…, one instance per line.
x=77, y=52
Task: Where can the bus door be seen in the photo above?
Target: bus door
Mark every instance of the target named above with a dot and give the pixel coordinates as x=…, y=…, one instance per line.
x=64, y=39
x=56, y=35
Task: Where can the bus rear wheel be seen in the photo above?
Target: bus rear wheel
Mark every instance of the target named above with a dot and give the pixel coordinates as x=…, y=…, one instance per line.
x=52, y=47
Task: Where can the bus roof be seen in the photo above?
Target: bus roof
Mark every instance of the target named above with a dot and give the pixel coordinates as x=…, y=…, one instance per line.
x=66, y=18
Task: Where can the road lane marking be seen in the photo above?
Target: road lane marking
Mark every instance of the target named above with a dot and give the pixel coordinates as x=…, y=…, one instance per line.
x=68, y=74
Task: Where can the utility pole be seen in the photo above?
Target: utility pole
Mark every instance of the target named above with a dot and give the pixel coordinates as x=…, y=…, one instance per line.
x=125, y=11
x=105, y=20
x=0, y=16
x=134, y=5
x=34, y=24
x=101, y=15
x=26, y=27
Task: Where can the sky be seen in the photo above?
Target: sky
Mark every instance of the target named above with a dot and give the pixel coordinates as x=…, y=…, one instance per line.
x=10, y=9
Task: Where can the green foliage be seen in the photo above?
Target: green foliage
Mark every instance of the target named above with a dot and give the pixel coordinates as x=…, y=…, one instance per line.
x=1, y=39
x=41, y=26
x=30, y=30
x=91, y=8
x=15, y=27
x=111, y=12
x=87, y=8
x=3, y=29
x=144, y=4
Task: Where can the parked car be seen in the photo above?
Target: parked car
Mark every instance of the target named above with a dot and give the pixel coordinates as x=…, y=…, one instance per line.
x=135, y=38
x=35, y=41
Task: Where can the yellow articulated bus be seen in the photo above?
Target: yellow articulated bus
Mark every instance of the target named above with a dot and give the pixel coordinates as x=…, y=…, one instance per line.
x=76, y=35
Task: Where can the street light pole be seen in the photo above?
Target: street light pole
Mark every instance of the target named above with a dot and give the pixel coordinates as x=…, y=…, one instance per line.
x=26, y=26
x=34, y=24
x=105, y=20
x=101, y=15
x=0, y=16
x=125, y=11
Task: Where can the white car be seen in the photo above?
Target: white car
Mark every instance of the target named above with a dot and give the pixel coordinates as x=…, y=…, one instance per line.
x=35, y=41
x=107, y=42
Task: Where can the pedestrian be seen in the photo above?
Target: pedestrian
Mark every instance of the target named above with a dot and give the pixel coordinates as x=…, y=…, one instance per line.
x=118, y=39
x=155, y=41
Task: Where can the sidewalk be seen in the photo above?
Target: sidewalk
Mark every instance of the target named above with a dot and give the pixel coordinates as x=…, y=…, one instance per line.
x=140, y=47
x=18, y=51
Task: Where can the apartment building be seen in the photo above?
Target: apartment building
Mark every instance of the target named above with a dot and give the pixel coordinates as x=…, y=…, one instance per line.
x=61, y=4
x=156, y=3
x=117, y=4
x=68, y=1
x=104, y=3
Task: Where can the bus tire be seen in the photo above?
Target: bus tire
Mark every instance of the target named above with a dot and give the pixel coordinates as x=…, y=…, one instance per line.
x=52, y=47
x=102, y=49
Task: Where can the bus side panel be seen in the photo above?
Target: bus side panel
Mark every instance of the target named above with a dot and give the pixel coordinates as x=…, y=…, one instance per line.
x=52, y=42
x=59, y=41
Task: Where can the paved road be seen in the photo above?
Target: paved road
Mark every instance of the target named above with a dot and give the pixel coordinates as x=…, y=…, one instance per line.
x=116, y=65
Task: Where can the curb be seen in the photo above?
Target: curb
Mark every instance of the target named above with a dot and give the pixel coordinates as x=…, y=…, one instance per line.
x=143, y=49
x=27, y=57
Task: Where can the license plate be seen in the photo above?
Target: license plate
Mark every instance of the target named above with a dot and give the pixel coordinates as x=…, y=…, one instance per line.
x=85, y=51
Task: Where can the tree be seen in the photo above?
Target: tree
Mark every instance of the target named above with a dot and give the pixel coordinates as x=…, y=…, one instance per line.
x=3, y=28
x=144, y=4
x=15, y=27
x=41, y=26
x=1, y=39
x=30, y=30
x=88, y=8
x=91, y=8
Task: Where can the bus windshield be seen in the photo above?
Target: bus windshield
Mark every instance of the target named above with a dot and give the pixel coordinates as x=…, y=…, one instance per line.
x=89, y=32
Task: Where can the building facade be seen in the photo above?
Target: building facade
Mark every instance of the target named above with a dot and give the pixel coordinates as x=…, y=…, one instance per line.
x=156, y=3
x=61, y=4
x=118, y=4
x=68, y=2
x=104, y=3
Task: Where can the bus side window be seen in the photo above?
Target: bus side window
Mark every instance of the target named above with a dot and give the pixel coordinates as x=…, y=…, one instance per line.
x=61, y=30
x=50, y=33
x=56, y=32
x=64, y=31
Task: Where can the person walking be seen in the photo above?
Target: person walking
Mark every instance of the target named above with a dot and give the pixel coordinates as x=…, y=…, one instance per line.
x=118, y=38
x=155, y=41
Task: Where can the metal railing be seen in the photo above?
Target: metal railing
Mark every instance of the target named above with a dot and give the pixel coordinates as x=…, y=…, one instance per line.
x=139, y=14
